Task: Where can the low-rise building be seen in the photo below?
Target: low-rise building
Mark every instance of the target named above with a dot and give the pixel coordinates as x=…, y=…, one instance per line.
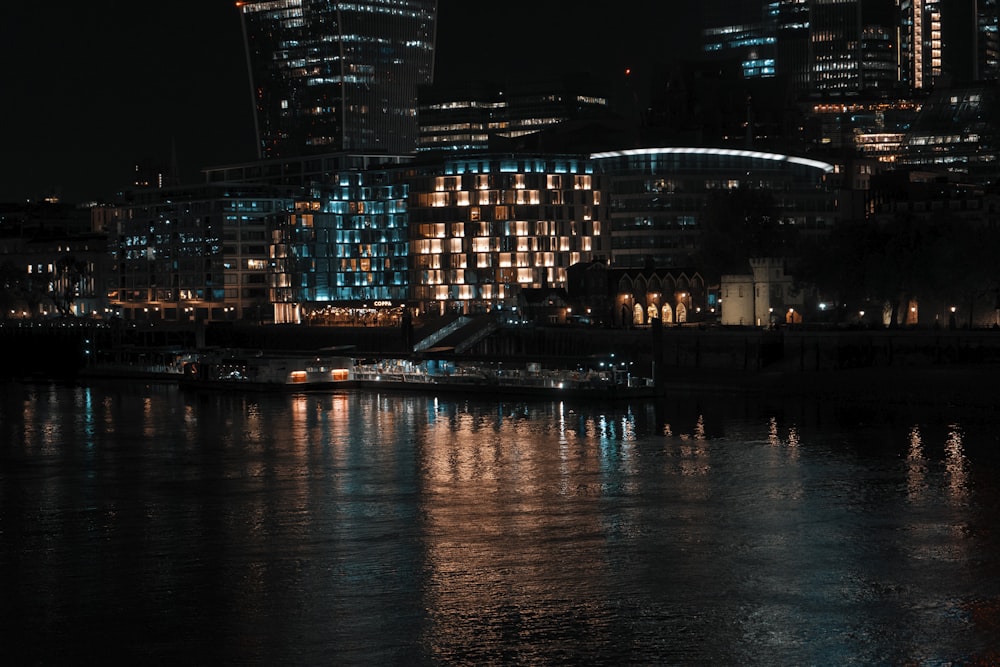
x=767, y=296
x=625, y=297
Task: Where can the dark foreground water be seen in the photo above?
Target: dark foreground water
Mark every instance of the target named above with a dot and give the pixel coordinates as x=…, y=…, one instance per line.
x=142, y=524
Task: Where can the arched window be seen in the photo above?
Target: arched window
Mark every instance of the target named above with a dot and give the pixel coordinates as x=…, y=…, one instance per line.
x=640, y=285
x=668, y=313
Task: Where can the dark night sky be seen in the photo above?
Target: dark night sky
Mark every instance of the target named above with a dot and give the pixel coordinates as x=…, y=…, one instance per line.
x=91, y=88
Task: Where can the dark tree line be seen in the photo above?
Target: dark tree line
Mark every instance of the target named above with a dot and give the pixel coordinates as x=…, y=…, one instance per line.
x=891, y=260
x=904, y=258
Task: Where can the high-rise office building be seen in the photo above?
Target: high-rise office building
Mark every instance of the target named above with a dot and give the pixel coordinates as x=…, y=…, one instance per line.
x=938, y=42
x=479, y=116
x=753, y=44
x=337, y=76
x=988, y=42
x=854, y=46
x=791, y=18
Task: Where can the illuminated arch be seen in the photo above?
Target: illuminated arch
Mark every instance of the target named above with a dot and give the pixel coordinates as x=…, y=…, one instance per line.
x=668, y=313
x=724, y=152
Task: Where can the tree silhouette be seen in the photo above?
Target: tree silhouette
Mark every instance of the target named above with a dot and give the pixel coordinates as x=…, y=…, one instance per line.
x=11, y=286
x=737, y=225
x=67, y=283
x=902, y=257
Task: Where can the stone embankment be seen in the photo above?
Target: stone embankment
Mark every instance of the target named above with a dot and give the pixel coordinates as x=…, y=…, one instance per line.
x=879, y=364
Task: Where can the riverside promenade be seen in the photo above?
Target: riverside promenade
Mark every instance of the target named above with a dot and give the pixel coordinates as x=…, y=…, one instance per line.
x=881, y=364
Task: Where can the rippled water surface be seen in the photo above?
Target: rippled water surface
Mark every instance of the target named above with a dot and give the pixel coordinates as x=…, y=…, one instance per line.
x=147, y=523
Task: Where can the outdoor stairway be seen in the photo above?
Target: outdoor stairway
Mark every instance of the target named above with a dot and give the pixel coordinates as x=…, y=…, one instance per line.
x=461, y=334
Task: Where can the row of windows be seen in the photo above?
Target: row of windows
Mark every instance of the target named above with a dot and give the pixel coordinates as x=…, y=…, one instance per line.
x=502, y=214
x=652, y=242
x=440, y=230
x=507, y=197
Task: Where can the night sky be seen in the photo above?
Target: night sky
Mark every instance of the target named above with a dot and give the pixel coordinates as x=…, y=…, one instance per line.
x=89, y=89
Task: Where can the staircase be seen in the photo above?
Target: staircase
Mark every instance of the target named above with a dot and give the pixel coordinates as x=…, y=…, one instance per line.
x=440, y=334
x=461, y=334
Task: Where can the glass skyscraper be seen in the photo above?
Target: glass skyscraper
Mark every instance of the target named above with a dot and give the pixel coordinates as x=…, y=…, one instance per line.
x=854, y=46
x=337, y=76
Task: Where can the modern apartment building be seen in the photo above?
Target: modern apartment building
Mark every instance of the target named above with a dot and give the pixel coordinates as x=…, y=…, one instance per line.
x=337, y=76
x=484, y=227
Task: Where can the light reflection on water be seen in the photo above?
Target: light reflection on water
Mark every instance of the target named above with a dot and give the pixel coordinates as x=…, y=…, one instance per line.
x=356, y=528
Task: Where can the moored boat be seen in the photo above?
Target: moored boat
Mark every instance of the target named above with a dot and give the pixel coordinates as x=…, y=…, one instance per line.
x=261, y=370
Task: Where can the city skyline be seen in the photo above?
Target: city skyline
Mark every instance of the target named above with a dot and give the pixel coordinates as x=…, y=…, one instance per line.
x=152, y=85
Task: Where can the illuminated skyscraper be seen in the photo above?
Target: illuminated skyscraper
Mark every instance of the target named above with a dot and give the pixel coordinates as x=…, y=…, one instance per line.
x=938, y=42
x=854, y=46
x=337, y=76
x=476, y=116
x=988, y=42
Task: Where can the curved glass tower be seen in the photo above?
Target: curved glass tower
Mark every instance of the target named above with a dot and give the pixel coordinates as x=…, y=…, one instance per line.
x=337, y=76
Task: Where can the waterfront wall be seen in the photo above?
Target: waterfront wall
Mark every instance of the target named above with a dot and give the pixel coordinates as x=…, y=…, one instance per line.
x=753, y=350
x=57, y=349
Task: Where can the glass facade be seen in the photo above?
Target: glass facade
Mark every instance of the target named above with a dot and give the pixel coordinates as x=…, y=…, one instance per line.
x=754, y=45
x=956, y=132
x=348, y=244
x=462, y=235
x=195, y=254
x=657, y=196
x=854, y=45
x=471, y=117
x=988, y=57
x=337, y=76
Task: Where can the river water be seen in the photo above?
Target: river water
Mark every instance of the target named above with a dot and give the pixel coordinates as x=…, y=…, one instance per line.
x=148, y=524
